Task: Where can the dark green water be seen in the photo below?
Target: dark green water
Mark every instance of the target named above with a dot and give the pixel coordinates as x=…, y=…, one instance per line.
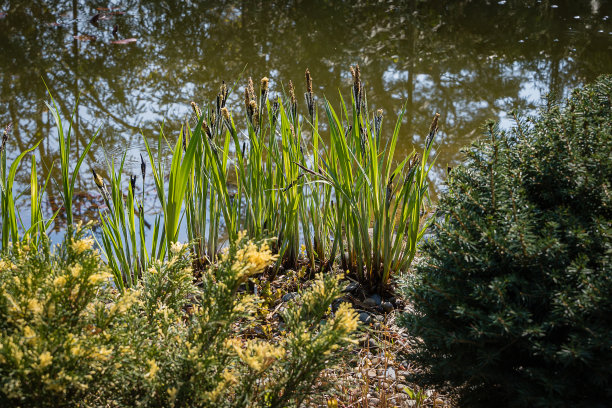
x=467, y=60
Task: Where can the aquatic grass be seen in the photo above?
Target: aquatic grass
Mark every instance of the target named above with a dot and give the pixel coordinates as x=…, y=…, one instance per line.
x=38, y=225
x=292, y=188
x=317, y=207
x=68, y=176
x=355, y=201
x=202, y=210
x=379, y=202
x=181, y=168
x=345, y=202
x=219, y=174
x=123, y=236
x=122, y=228
x=8, y=213
x=208, y=196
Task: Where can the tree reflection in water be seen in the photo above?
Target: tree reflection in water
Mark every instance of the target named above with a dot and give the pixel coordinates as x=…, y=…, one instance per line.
x=466, y=60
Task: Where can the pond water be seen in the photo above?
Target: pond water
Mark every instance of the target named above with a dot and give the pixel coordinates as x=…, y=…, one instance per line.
x=134, y=65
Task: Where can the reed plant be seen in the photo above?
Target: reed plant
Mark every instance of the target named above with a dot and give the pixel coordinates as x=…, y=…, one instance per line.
x=203, y=206
x=38, y=224
x=348, y=202
x=123, y=228
x=379, y=201
x=10, y=218
x=180, y=174
x=319, y=225
x=351, y=198
x=68, y=175
x=10, y=230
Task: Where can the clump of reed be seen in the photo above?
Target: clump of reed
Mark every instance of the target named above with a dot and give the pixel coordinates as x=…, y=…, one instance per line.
x=13, y=229
x=350, y=202
x=378, y=200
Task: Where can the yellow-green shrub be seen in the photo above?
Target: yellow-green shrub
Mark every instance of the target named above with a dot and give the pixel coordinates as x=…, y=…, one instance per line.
x=68, y=338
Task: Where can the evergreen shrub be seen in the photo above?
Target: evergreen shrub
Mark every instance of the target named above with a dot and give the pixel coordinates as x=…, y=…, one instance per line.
x=513, y=294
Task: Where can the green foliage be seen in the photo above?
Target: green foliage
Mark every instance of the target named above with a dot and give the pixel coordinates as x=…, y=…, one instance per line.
x=285, y=182
x=8, y=211
x=123, y=236
x=512, y=300
x=69, y=176
x=377, y=223
x=69, y=338
x=10, y=218
x=349, y=201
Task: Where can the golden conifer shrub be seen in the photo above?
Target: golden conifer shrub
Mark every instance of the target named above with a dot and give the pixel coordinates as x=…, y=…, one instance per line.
x=69, y=338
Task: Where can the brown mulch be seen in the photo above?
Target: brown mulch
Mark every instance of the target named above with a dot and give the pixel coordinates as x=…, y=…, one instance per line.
x=374, y=372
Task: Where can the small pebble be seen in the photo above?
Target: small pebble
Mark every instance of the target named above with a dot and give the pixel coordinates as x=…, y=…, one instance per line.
x=372, y=344
x=369, y=302
x=387, y=307
x=390, y=373
x=364, y=317
x=336, y=303
x=289, y=296
x=351, y=287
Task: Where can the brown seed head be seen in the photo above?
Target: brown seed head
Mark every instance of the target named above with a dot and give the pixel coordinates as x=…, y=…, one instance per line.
x=264, y=84
x=308, y=82
x=225, y=113
x=223, y=94
x=251, y=89
x=246, y=98
x=97, y=179
x=356, y=73
x=434, y=123
x=206, y=128
x=143, y=167
x=292, y=93
x=433, y=129
x=133, y=182
x=379, y=113
x=196, y=109
x=7, y=130
x=415, y=160
x=253, y=106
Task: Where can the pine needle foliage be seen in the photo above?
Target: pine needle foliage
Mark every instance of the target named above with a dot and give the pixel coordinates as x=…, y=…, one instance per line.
x=68, y=338
x=512, y=298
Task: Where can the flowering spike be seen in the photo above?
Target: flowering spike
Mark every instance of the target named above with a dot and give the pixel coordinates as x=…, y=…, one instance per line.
x=433, y=129
x=309, y=95
x=293, y=100
x=7, y=130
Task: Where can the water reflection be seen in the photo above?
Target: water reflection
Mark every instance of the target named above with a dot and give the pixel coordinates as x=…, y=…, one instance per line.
x=467, y=60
